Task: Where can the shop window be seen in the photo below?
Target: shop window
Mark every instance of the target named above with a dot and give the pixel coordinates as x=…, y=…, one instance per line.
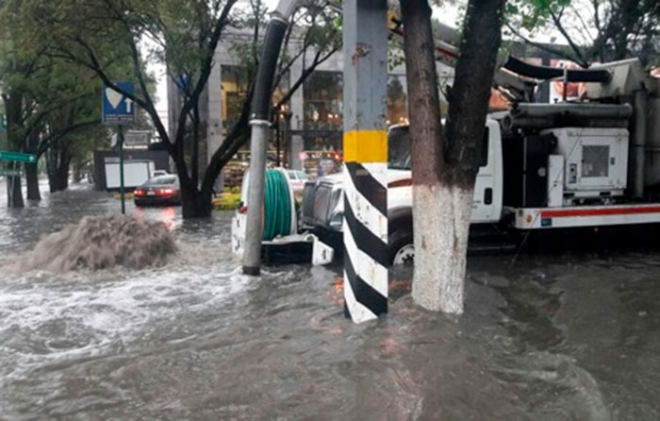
x=323, y=101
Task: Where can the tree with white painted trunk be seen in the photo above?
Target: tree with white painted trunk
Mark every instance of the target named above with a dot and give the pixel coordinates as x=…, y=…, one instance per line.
x=445, y=160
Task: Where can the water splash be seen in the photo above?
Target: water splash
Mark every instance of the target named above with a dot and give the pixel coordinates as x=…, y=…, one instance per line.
x=102, y=242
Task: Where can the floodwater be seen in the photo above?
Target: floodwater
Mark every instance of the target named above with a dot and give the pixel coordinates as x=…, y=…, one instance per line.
x=548, y=338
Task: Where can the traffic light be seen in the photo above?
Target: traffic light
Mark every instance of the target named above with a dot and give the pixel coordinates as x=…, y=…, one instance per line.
x=4, y=121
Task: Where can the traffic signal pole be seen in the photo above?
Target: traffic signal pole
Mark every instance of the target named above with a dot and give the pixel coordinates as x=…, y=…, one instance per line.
x=120, y=145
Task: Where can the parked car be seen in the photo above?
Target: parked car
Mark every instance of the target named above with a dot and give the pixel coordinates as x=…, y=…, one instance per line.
x=297, y=180
x=161, y=190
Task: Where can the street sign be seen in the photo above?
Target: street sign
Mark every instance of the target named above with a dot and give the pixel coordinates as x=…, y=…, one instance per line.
x=9, y=173
x=118, y=109
x=136, y=138
x=17, y=157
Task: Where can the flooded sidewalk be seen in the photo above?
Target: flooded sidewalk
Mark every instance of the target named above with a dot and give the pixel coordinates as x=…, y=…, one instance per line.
x=547, y=338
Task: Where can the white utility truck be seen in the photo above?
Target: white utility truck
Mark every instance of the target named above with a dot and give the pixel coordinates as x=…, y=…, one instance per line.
x=589, y=163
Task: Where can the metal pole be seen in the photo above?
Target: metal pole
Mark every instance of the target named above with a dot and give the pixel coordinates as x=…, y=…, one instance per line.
x=365, y=155
x=260, y=124
x=120, y=143
x=255, y=198
x=278, y=138
x=287, y=140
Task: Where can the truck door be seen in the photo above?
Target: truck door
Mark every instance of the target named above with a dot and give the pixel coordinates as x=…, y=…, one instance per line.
x=486, y=205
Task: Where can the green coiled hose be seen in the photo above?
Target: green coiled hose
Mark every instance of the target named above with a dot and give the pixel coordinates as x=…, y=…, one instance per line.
x=277, y=205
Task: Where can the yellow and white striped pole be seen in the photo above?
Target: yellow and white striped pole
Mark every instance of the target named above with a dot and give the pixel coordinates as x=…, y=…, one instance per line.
x=365, y=157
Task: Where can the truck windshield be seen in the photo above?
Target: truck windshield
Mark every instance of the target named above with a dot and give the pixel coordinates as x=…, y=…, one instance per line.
x=399, y=149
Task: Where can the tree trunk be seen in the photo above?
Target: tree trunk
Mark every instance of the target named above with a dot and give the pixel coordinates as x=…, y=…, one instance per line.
x=58, y=174
x=53, y=181
x=59, y=180
x=32, y=180
x=195, y=203
x=63, y=172
x=77, y=174
x=64, y=175
x=445, y=167
x=194, y=167
x=14, y=193
x=13, y=100
x=440, y=239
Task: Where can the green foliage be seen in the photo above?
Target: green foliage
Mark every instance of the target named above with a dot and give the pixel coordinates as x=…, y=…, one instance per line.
x=114, y=39
x=532, y=14
x=54, y=97
x=228, y=201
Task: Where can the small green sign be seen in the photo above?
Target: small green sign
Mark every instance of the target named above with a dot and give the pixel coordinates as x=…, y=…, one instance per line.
x=4, y=121
x=17, y=157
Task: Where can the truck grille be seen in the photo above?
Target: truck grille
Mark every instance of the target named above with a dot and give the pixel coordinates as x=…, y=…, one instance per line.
x=319, y=200
x=322, y=203
x=308, y=200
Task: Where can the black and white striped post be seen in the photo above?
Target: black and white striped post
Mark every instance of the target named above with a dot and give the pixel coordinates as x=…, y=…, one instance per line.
x=365, y=157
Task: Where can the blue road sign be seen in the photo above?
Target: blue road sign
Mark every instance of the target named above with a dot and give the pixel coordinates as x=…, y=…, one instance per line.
x=118, y=109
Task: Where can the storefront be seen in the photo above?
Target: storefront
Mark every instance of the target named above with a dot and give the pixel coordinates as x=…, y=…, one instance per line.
x=313, y=142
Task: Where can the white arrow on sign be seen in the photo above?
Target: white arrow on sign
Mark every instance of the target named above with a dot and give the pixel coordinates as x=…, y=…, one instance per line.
x=129, y=104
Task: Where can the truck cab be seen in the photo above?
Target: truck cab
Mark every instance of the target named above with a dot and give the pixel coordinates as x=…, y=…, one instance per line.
x=323, y=209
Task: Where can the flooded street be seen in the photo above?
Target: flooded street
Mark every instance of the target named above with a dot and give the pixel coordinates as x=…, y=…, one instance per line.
x=547, y=338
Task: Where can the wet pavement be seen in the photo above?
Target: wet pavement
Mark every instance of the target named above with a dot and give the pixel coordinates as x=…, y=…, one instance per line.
x=548, y=338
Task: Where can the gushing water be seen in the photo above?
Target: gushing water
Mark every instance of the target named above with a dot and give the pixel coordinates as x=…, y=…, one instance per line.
x=102, y=242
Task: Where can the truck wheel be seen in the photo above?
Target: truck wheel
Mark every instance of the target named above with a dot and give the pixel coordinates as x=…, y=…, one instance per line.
x=401, y=248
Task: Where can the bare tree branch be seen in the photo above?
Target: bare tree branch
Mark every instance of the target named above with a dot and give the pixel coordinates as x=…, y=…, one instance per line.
x=576, y=49
x=540, y=46
x=46, y=143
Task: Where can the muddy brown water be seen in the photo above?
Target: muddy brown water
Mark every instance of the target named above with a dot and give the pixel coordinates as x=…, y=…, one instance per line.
x=552, y=337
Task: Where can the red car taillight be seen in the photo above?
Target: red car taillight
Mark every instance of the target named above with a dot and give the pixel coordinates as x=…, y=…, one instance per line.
x=165, y=192
x=138, y=192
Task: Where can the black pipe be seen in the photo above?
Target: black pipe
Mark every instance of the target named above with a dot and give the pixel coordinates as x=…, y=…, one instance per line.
x=510, y=123
x=543, y=72
x=585, y=110
x=275, y=32
x=543, y=116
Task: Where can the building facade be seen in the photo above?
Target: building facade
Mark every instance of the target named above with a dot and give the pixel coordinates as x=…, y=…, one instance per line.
x=307, y=131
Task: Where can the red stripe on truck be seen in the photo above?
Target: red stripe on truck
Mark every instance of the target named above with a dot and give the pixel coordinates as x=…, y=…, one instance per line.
x=599, y=212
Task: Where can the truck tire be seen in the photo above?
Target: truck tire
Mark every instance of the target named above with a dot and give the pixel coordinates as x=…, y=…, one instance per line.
x=401, y=247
